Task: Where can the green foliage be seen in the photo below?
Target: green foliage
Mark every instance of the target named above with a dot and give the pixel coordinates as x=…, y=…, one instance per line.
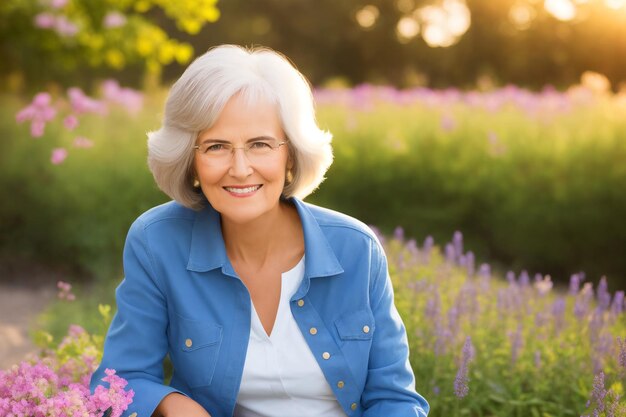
x=136, y=40
x=540, y=190
x=545, y=194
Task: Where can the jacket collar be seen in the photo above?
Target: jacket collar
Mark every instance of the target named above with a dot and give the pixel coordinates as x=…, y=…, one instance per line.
x=208, y=251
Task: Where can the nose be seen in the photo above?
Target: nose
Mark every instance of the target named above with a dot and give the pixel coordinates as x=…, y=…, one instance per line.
x=240, y=165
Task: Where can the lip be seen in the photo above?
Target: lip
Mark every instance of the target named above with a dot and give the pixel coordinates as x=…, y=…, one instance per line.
x=242, y=195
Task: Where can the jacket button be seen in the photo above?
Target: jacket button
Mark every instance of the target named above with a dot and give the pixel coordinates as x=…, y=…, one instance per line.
x=353, y=406
x=300, y=303
x=313, y=330
x=366, y=329
x=188, y=343
x=340, y=384
x=326, y=355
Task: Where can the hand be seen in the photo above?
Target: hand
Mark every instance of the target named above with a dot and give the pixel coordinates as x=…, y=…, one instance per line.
x=178, y=405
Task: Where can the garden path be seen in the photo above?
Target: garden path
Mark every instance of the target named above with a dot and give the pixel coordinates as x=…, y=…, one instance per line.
x=19, y=307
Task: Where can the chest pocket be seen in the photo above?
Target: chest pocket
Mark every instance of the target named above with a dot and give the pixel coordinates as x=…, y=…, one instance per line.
x=357, y=325
x=195, y=350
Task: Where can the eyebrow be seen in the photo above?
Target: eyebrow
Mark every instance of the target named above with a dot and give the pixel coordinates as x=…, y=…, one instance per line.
x=211, y=140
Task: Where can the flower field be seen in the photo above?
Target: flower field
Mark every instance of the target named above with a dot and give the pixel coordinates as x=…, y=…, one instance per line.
x=481, y=345
x=534, y=180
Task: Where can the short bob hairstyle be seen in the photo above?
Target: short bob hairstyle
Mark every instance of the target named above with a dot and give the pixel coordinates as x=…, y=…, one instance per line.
x=196, y=100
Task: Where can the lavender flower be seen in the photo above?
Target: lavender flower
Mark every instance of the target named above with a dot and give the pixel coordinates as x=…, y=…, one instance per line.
x=603, y=295
x=617, y=307
x=450, y=254
x=597, y=395
x=574, y=284
x=524, y=279
x=470, y=260
x=461, y=388
x=621, y=357
x=510, y=277
x=517, y=343
x=457, y=241
x=398, y=234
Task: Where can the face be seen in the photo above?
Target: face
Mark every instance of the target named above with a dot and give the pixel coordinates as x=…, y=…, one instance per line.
x=242, y=190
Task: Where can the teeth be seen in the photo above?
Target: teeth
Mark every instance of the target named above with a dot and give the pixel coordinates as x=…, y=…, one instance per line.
x=243, y=190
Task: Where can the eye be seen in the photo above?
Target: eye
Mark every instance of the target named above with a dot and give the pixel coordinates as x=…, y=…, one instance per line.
x=260, y=145
x=214, y=147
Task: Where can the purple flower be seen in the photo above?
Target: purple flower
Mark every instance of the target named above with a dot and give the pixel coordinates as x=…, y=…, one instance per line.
x=457, y=241
x=574, y=284
x=517, y=342
x=461, y=387
x=398, y=234
x=597, y=394
x=603, y=295
x=450, y=253
x=618, y=303
x=583, y=300
x=510, y=277
x=470, y=261
x=621, y=357
x=524, y=279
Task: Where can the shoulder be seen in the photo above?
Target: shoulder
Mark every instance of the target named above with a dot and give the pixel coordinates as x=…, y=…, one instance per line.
x=163, y=222
x=166, y=212
x=331, y=221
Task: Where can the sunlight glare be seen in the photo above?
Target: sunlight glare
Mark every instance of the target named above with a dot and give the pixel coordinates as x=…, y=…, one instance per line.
x=407, y=28
x=615, y=4
x=367, y=16
x=522, y=15
x=444, y=24
x=563, y=10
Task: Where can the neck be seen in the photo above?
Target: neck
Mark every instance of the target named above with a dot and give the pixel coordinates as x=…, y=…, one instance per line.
x=255, y=243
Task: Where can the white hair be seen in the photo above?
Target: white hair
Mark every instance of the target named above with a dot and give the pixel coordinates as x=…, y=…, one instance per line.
x=197, y=98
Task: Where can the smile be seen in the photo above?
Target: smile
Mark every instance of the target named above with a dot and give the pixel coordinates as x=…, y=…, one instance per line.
x=242, y=190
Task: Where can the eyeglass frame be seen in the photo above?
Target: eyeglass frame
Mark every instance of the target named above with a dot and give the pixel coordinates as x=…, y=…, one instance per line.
x=245, y=152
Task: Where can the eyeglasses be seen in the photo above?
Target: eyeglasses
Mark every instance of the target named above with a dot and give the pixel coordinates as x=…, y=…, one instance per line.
x=221, y=153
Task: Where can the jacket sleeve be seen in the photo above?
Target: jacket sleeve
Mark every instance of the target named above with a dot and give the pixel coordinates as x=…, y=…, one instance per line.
x=137, y=343
x=390, y=385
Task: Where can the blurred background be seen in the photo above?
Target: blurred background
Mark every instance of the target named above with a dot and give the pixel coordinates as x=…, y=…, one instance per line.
x=504, y=120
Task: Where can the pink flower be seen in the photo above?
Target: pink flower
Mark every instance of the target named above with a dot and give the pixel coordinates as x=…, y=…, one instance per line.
x=131, y=99
x=81, y=103
x=57, y=4
x=82, y=142
x=39, y=112
x=70, y=122
x=58, y=155
x=45, y=21
x=64, y=27
x=114, y=20
x=65, y=288
x=448, y=124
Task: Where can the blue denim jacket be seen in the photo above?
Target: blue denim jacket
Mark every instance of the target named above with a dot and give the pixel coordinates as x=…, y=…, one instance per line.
x=180, y=296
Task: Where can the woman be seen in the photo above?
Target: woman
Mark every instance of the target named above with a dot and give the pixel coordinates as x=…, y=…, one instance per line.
x=266, y=305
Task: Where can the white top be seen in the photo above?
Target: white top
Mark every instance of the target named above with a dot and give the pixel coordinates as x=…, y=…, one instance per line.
x=281, y=377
